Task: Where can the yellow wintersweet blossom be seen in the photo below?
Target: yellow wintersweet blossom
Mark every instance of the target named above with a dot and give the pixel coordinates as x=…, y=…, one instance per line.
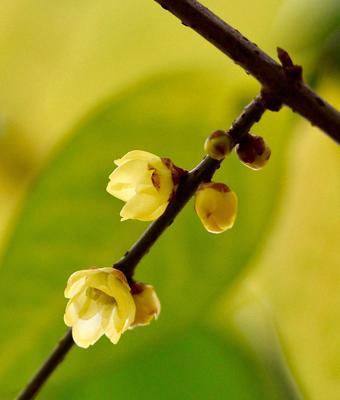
x=147, y=303
x=216, y=206
x=145, y=182
x=100, y=303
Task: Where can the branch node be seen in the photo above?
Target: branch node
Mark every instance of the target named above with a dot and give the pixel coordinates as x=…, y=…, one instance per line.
x=271, y=101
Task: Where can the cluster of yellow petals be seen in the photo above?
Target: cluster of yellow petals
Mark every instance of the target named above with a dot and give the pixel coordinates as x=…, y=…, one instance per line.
x=144, y=182
x=101, y=302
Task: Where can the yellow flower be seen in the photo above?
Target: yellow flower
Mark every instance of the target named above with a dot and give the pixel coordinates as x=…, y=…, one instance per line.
x=216, y=206
x=100, y=303
x=147, y=303
x=145, y=182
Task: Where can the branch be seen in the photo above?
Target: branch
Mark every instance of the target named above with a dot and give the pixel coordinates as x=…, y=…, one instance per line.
x=280, y=80
x=55, y=358
x=201, y=173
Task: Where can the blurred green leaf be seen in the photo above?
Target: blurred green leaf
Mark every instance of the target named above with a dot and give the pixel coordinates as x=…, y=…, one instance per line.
x=69, y=222
x=194, y=364
x=319, y=18
x=298, y=271
x=310, y=31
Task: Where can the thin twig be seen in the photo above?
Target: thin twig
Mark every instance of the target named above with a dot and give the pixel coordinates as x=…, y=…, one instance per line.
x=285, y=82
x=201, y=173
x=49, y=366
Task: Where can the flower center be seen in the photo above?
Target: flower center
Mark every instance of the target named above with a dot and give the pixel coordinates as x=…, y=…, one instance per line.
x=156, y=180
x=99, y=296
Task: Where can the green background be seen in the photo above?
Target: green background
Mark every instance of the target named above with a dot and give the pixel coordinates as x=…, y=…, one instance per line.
x=249, y=314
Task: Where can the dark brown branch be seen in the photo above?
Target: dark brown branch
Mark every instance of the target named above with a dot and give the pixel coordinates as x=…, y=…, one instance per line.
x=203, y=172
x=281, y=81
x=187, y=187
x=49, y=366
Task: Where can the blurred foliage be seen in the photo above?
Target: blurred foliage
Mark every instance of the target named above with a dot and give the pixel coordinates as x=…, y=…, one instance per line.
x=298, y=270
x=316, y=46
x=69, y=222
x=57, y=62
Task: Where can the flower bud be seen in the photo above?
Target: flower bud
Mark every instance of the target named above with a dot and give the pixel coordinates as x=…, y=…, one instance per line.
x=147, y=304
x=218, y=145
x=216, y=206
x=253, y=151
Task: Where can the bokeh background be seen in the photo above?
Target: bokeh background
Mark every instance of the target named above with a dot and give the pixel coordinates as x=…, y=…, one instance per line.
x=251, y=314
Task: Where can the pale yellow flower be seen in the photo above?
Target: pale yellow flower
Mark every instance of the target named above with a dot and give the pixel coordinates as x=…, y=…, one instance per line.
x=100, y=303
x=145, y=182
x=216, y=206
x=147, y=303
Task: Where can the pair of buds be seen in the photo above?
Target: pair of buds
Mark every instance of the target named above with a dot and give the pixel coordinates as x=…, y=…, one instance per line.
x=251, y=150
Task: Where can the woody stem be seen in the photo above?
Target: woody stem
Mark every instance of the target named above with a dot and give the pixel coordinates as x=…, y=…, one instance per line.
x=285, y=81
x=188, y=185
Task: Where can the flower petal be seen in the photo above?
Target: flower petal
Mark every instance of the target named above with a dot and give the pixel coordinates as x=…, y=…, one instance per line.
x=142, y=207
x=136, y=155
x=73, y=307
x=76, y=281
x=124, y=179
x=166, y=184
x=110, y=328
x=87, y=332
x=126, y=307
x=148, y=305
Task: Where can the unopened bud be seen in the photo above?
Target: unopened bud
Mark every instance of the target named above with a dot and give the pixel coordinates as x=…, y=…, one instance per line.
x=216, y=206
x=253, y=151
x=147, y=303
x=218, y=145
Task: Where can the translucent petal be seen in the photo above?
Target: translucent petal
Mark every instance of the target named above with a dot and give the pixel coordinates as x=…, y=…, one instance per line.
x=165, y=177
x=100, y=281
x=73, y=308
x=142, y=207
x=158, y=212
x=110, y=329
x=89, y=309
x=87, y=332
x=124, y=179
x=137, y=155
x=76, y=282
x=126, y=308
x=148, y=306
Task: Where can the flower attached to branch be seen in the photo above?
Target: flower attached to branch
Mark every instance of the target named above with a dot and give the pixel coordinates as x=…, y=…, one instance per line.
x=216, y=206
x=101, y=302
x=145, y=182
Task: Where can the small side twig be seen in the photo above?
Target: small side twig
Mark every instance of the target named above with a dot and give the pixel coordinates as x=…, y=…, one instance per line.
x=203, y=172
